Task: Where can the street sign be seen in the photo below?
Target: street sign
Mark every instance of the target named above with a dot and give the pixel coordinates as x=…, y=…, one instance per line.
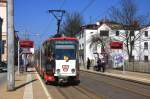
x=116, y=45
x=26, y=44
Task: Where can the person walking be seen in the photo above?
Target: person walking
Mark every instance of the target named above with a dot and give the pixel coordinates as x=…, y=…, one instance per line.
x=88, y=63
x=21, y=65
x=99, y=64
x=103, y=65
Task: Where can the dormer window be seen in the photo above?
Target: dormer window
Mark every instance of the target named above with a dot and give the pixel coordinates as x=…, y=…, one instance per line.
x=104, y=33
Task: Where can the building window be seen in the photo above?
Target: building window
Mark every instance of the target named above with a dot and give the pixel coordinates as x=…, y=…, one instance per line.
x=146, y=33
x=145, y=45
x=131, y=33
x=117, y=33
x=146, y=58
x=83, y=45
x=3, y=46
x=91, y=32
x=104, y=33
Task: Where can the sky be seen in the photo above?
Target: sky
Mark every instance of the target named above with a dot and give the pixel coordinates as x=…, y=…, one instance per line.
x=31, y=17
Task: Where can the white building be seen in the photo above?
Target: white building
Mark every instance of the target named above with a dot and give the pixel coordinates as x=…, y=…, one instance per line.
x=114, y=32
x=3, y=7
x=84, y=45
x=144, y=45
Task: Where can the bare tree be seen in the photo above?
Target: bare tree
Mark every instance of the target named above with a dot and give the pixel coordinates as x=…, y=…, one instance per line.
x=72, y=24
x=127, y=15
x=96, y=40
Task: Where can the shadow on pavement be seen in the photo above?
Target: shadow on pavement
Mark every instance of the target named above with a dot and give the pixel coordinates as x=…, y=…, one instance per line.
x=20, y=86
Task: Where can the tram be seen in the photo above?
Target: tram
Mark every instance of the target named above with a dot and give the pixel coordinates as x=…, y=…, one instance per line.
x=59, y=60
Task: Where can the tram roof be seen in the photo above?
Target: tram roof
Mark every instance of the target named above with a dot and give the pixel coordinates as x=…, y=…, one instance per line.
x=63, y=38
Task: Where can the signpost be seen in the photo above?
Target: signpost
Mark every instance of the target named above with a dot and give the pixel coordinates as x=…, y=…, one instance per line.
x=25, y=45
x=118, y=57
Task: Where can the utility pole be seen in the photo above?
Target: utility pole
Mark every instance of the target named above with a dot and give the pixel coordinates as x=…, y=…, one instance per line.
x=10, y=39
x=58, y=17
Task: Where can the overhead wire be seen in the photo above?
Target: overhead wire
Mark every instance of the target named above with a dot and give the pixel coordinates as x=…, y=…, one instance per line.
x=105, y=12
x=87, y=6
x=45, y=29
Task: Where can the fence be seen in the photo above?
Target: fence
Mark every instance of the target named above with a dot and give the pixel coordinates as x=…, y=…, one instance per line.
x=138, y=66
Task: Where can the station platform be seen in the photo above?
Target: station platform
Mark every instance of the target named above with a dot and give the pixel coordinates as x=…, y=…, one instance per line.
x=27, y=86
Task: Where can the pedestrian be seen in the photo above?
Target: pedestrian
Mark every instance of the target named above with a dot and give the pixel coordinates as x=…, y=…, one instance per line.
x=26, y=64
x=99, y=64
x=103, y=65
x=21, y=65
x=88, y=63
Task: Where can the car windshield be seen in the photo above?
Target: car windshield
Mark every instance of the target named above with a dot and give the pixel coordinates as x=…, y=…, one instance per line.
x=65, y=50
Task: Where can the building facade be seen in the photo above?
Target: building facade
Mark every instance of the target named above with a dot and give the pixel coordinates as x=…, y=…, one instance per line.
x=3, y=15
x=114, y=32
x=1, y=21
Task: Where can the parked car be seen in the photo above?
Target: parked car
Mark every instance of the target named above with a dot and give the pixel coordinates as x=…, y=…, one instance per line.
x=3, y=66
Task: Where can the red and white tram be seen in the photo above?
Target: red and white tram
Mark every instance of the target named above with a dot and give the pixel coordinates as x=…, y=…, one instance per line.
x=59, y=60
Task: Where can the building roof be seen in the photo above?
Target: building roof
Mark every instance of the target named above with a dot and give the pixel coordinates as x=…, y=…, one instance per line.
x=145, y=26
x=118, y=26
x=3, y=1
x=112, y=24
x=90, y=26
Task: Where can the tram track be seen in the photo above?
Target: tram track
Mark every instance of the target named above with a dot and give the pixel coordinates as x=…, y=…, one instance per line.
x=77, y=92
x=88, y=92
x=129, y=88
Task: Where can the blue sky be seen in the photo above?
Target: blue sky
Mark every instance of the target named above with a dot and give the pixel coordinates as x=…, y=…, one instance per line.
x=32, y=17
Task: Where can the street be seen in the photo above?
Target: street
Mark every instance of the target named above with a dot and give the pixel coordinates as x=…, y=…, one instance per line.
x=95, y=86
x=3, y=77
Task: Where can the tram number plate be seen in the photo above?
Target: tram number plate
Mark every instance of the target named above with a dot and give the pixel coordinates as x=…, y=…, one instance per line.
x=65, y=68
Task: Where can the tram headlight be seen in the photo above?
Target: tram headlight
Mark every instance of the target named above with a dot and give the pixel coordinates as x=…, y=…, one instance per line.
x=73, y=70
x=58, y=70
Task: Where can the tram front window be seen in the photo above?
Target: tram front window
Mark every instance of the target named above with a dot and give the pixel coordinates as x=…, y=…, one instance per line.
x=67, y=50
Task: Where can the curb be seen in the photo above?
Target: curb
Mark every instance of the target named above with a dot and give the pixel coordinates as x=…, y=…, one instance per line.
x=48, y=95
x=137, y=80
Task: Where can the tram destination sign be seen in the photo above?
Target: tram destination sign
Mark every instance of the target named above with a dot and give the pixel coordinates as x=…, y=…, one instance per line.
x=64, y=42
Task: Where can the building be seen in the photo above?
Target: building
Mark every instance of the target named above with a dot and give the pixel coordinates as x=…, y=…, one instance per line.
x=144, y=44
x=1, y=21
x=3, y=8
x=115, y=34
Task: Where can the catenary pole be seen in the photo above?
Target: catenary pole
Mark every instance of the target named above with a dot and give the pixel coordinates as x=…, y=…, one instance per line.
x=10, y=39
x=18, y=57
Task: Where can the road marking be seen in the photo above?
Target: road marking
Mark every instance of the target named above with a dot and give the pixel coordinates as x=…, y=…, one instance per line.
x=44, y=87
x=28, y=93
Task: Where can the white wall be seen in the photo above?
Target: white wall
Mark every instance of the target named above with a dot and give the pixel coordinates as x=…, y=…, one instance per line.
x=4, y=28
x=88, y=51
